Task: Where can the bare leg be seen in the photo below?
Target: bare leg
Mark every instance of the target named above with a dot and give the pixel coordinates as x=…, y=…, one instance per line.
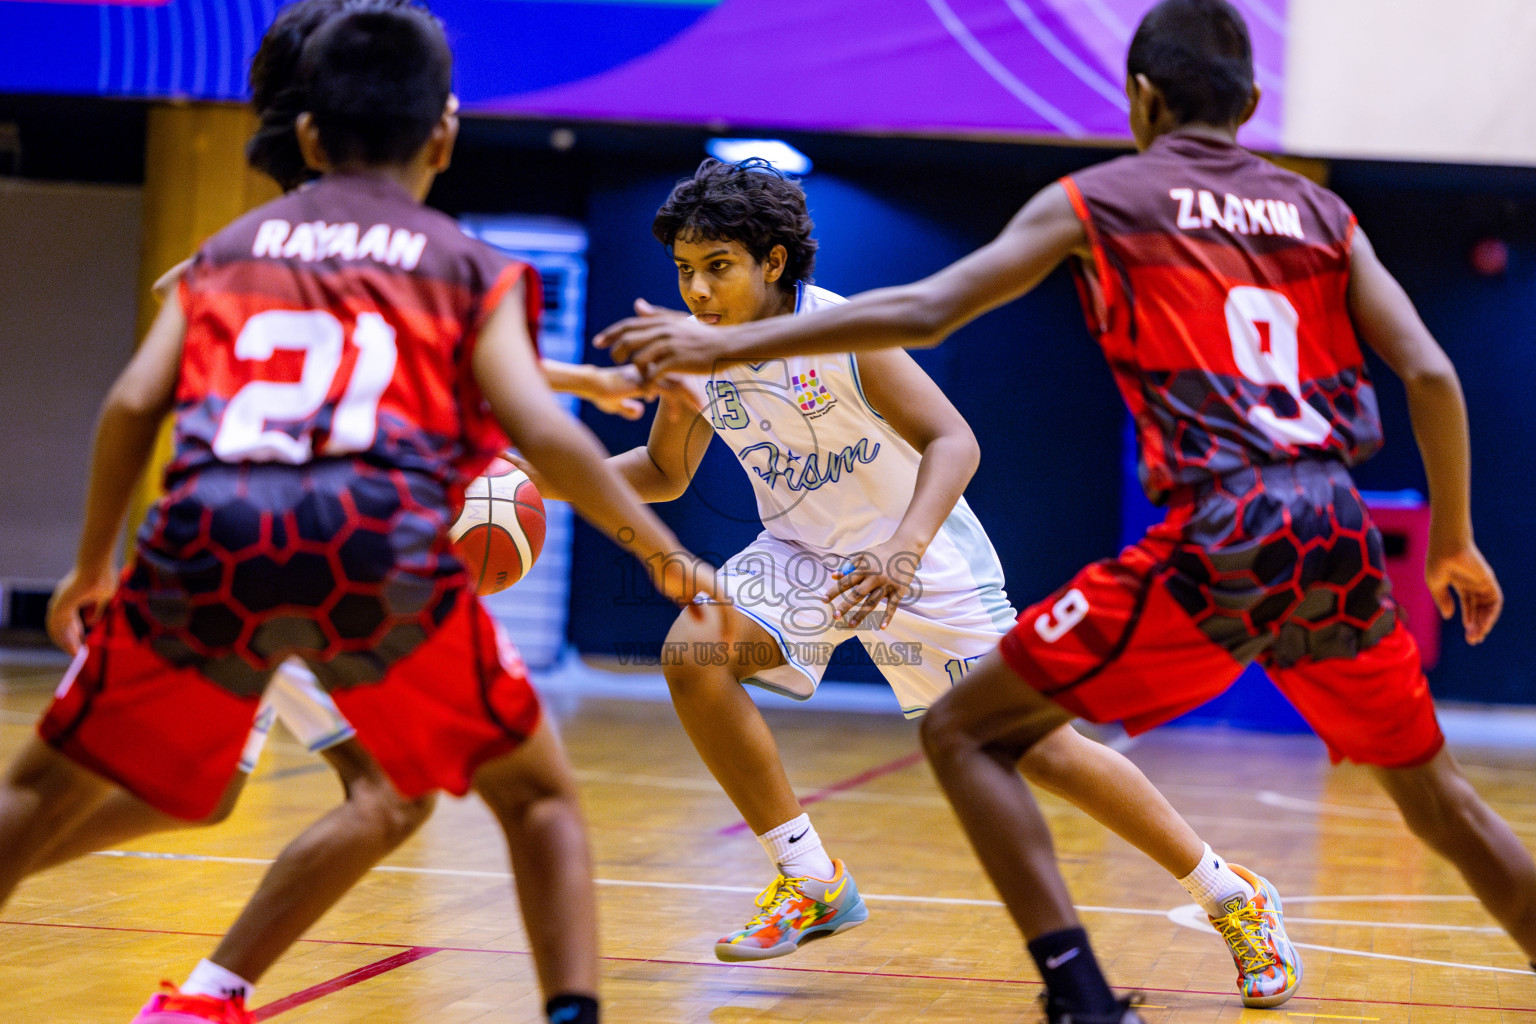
x=1443, y=810
x=725, y=726
x=1114, y=792
x=44, y=794
x=533, y=796
x=123, y=817
x=975, y=736
x=318, y=868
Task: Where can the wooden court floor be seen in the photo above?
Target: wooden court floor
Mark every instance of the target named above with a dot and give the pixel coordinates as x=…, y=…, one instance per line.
x=1388, y=932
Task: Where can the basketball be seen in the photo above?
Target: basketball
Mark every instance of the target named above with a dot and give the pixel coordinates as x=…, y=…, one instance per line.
x=500, y=532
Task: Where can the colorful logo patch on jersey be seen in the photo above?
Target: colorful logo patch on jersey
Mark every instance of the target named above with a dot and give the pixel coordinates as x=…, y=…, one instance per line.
x=811, y=395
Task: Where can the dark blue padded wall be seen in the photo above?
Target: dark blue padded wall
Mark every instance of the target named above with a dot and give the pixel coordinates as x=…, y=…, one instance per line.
x=1424, y=221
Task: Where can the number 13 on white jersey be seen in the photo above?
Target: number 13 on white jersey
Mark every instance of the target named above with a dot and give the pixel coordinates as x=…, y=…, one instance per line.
x=243, y=434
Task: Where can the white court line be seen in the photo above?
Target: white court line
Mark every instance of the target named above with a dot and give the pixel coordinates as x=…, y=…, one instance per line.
x=693, y=785
x=1190, y=915
x=1475, y=929
x=1381, y=899
x=953, y=901
x=1292, y=803
x=1525, y=971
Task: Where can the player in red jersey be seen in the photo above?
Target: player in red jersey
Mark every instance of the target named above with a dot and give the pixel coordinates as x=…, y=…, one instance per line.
x=341, y=361
x=1228, y=295
x=373, y=820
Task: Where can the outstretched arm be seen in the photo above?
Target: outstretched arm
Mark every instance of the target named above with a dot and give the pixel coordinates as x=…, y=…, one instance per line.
x=570, y=458
x=663, y=467
x=1042, y=234
x=616, y=390
x=1387, y=321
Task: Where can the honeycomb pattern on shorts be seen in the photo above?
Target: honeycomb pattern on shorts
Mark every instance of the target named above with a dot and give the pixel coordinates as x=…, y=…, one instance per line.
x=1282, y=563
x=340, y=562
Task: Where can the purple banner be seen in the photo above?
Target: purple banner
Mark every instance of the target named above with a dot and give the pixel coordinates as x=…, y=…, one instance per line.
x=1001, y=68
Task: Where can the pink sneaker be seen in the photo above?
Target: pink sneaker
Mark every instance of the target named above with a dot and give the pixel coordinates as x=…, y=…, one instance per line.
x=169, y=1006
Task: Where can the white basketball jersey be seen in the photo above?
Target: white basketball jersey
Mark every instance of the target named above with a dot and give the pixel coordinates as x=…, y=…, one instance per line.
x=828, y=472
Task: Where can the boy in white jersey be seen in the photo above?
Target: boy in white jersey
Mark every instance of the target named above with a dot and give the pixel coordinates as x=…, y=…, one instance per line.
x=858, y=469
x=858, y=464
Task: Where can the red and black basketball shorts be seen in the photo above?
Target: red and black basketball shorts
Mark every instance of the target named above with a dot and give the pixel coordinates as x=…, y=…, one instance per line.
x=1276, y=564
x=338, y=563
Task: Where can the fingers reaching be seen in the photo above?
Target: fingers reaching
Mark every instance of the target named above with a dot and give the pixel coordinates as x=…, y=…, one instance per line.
x=862, y=588
x=1480, y=609
x=645, y=309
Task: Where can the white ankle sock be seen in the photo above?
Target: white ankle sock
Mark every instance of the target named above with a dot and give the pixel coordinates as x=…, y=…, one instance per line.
x=1213, y=882
x=209, y=979
x=795, y=848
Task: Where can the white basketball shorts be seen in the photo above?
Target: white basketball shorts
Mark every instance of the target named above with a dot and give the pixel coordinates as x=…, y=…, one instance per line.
x=956, y=613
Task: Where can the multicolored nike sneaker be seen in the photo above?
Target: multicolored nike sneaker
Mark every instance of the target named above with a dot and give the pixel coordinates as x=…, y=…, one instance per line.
x=1268, y=966
x=793, y=910
x=169, y=1006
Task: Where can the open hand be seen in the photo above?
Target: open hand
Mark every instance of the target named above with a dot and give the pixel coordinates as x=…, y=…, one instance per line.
x=658, y=341
x=619, y=391
x=1468, y=574
x=885, y=573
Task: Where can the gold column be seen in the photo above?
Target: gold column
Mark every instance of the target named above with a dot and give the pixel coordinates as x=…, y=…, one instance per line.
x=195, y=182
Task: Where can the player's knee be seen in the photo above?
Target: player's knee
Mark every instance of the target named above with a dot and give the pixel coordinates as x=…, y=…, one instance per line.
x=512, y=799
x=1440, y=807
x=943, y=732
x=390, y=816
x=687, y=654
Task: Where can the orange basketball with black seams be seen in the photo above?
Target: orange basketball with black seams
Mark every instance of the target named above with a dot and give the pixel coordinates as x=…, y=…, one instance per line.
x=500, y=532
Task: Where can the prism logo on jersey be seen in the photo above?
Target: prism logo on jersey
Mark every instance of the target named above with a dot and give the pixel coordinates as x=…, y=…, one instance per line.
x=808, y=472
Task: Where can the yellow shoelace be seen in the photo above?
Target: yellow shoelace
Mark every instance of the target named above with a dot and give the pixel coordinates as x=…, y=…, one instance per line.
x=1243, y=930
x=779, y=890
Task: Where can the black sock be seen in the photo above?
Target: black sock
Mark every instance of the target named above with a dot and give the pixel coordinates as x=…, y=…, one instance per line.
x=1073, y=981
x=569, y=1009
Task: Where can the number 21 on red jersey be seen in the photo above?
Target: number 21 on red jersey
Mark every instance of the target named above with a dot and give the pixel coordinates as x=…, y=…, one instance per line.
x=244, y=434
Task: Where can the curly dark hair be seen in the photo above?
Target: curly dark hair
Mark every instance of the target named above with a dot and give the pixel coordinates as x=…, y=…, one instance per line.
x=1199, y=54
x=275, y=93
x=752, y=203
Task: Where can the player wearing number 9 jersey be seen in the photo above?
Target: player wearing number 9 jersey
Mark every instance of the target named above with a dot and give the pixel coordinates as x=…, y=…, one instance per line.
x=1227, y=296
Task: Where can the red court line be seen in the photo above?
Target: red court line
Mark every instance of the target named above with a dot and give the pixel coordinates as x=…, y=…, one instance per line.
x=347, y=980
x=905, y=761
x=771, y=967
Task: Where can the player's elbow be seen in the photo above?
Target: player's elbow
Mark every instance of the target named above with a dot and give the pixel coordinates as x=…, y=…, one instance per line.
x=1432, y=375
x=966, y=449
x=928, y=320
x=912, y=317
x=131, y=400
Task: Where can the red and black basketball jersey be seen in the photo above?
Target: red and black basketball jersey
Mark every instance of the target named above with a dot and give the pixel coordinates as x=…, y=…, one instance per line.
x=1218, y=292
x=340, y=320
